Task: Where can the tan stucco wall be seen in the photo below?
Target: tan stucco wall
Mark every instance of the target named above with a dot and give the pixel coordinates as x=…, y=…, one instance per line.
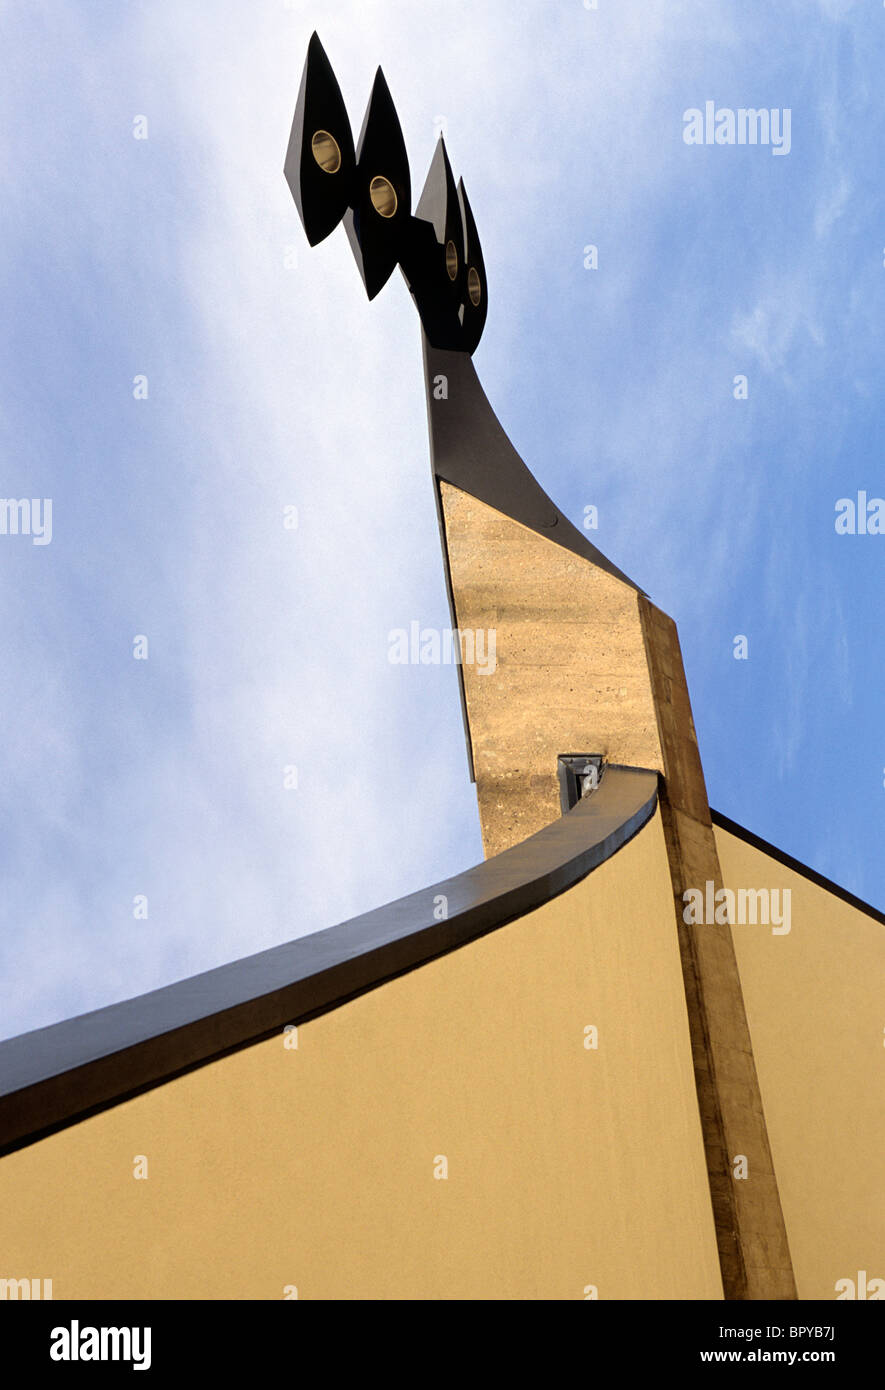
x=566, y=1166
x=816, y=1009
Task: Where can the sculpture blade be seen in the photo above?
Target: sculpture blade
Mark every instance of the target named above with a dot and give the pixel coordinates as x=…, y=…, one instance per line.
x=320, y=161
x=378, y=220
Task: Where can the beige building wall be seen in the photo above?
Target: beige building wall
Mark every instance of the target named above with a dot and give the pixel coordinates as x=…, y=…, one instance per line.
x=314, y=1167
x=815, y=1001
x=586, y=664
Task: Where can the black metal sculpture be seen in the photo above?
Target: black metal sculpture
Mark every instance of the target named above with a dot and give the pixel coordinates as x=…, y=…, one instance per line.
x=370, y=189
x=439, y=254
x=438, y=251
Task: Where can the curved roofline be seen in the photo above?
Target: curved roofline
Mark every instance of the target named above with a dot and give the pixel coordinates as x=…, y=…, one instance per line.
x=55, y=1076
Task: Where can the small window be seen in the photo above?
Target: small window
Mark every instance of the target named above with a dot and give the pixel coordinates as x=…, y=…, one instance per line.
x=579, y=776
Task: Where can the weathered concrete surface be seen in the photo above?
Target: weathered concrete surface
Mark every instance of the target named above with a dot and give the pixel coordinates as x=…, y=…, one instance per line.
x=752, y=1236
x=571, y=676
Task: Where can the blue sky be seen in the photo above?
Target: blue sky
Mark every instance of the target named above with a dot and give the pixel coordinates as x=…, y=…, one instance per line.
x=273, y=384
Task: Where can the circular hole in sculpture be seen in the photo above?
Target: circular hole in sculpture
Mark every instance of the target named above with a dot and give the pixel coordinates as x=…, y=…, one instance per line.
x=383, y=195
x=324, y=148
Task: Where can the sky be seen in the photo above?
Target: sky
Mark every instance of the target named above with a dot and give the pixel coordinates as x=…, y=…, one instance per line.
x=272, y=383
